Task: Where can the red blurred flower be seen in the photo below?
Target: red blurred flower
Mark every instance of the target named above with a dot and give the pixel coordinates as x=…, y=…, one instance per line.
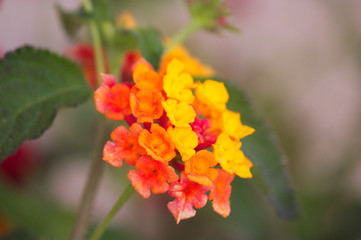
x=16, y=167
x=130, y=59
x=84, y=55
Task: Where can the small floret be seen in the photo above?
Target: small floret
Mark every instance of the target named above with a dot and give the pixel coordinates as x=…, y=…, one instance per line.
x=157, y=143
x=146, y=78
x=230, y=123
x=179, y=113
x=220, y=193
x=202, y=128
x=112, y=98
x=191, y=64
x=125, y=147
x=211, y=98
x=178, y=84
x=153, y=175
x=187, y=195
x=199, y=168
x=230, y=157
x=185, y=141
x=146, y=105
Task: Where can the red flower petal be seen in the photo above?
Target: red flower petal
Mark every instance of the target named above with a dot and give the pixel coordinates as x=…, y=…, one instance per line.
x=153, y=175
x=125, y=147
x=188, y=194
x=221, y=192
x=112, y=99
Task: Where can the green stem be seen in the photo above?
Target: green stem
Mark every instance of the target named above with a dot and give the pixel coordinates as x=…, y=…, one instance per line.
x=184, y=34
x=97, y=45
x=96, y=168
x=122, y=199
x=93, y=179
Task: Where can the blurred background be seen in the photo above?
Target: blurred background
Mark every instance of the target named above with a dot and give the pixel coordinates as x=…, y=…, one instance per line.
x=300, y=63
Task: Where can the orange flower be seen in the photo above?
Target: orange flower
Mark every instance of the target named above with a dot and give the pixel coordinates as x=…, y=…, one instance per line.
x=221, y=192
x=146, y=78
x=199, y=168
x=125, y=20
x=146, y=105
x=112, y=98
x=191, y=64
x=125, y=147
x=151, y=175
x=187, y=195
x=157, y=143
x=6, y=226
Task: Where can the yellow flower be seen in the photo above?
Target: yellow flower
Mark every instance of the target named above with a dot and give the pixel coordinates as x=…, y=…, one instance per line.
x=230, y=123
x=178, y=84
x=191, y=64
x=211, y=98
x=228, y=154
x=185, y=140
x=200, y=168
x=125, y=20
x=179, y=113
x=233, y=127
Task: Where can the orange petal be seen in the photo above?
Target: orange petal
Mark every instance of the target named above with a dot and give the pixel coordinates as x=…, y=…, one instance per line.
x=221, y=192
x=153, y=175
x=146, y=105
x=157, y=143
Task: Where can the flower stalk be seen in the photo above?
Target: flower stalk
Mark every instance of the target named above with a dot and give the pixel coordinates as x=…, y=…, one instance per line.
x=93, y=179
x=192, y=27
x=117, y=206
x=96, y=168
x=94, y=31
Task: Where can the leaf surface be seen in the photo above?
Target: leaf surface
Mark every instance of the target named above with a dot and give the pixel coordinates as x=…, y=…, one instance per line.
x=34, y=84
x=263, y=149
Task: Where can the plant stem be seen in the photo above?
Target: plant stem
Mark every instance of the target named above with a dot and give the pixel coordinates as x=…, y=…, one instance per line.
x=96, y=168
x=122, y=199
x=94, y=175
x=183, y=34
x=94, y=31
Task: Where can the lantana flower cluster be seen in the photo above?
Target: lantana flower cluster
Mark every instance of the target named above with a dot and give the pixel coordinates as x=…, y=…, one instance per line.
x=182, y=140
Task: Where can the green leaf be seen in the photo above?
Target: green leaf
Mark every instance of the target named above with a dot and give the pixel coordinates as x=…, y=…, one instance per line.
x=73, y=21
x=70, y=20
x=34, y=84
x=102, y=11
x=263, y=149
x=150, y=44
